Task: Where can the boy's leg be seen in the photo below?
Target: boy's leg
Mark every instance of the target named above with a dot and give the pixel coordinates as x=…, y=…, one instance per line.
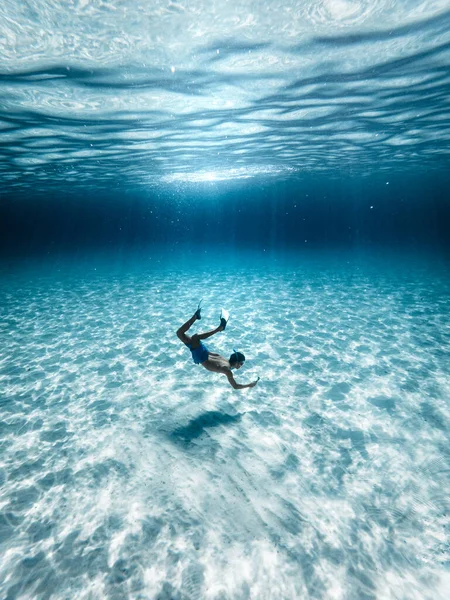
x=195, y=340
x=207, y=334
x=197, y=337
x=181, y=333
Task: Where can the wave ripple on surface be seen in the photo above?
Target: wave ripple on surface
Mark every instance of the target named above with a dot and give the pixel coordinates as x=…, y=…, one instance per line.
x=134, y=94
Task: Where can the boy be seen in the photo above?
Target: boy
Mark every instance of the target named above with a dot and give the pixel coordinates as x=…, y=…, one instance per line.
x=210, y=360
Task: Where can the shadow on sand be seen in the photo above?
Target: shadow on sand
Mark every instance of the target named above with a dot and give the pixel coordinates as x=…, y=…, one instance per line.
x=196, y=427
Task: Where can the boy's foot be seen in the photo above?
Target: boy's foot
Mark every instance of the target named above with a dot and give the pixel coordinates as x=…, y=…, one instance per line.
x=198, y=312
x=224, y=316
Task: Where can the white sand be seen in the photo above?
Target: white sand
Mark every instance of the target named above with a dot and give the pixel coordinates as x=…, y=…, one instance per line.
x=126, y=471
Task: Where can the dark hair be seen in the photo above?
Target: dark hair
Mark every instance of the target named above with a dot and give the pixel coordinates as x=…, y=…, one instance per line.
x=236, y=357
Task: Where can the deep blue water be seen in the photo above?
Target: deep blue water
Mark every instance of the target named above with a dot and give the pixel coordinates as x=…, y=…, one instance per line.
x=288, y=161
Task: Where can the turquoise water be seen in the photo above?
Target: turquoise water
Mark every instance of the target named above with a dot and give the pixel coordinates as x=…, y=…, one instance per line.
x=288, y=161
x=129, y=472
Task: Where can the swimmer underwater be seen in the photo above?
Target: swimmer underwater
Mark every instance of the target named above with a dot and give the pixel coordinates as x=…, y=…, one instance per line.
x=210, y=360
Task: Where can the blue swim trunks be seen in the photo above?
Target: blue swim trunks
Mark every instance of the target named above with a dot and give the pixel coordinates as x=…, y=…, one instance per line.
x=199, y=354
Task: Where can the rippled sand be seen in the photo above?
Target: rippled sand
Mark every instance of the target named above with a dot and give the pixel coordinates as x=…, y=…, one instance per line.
x=126, y=471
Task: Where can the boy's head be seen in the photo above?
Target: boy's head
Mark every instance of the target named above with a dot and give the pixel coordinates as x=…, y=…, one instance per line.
x=237, y=359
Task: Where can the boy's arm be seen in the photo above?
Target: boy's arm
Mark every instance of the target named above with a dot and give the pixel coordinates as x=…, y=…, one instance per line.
x=235, y=384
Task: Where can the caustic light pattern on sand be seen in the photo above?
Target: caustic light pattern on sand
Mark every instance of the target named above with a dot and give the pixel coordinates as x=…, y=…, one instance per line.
x=128, y=472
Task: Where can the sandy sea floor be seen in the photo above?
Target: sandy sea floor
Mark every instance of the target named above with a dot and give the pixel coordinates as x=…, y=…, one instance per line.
x=126, y=471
